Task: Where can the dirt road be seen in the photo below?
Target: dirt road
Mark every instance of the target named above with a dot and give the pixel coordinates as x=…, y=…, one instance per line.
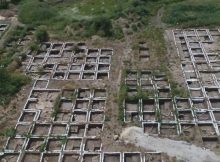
x=180, y=149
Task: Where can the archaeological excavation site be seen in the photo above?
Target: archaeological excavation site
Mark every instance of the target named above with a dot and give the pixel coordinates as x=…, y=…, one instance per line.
x=109, y=81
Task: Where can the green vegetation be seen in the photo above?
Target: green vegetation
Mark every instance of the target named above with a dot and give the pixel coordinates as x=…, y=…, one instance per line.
x=121, y=97
x=41, y=35
x=10, y=132
x=178, y=91
x=34, y=11
x=194, y=13
x=84, y=18
x=56, y=106
x=10, y=84
x=3, y=4
x=43, y=147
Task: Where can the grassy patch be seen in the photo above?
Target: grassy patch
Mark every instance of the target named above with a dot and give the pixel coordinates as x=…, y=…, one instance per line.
x=10, y=84
x=10, y=132
x=193, y=13
x=34, y=11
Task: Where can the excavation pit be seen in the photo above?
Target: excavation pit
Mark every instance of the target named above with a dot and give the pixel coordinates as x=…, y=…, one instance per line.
x=68, y=94
x=27, y=116
x=77, y=130
x=106, y=52
x=193, y=84
x=41, y=129
x=217, y=115
x=88, y=75
x=187, y=129
x=91, y=60
x=103, y=67
x=149, y=116
x=97, y=116
x=74, y=144
x=91, y=158
x=199, y=104
x=215, y=103
x=153, y=157
x=100, y=93
x=71, y=158
x=54, y=53
x=50, y=157
x=63, y=117
x=104, y=59
x=57, y=46
x=210, y=142
x=66, y=105
x=148, y=105
x=168, y=129
x=112, y=157
x=61, y=67
x=132, y=157
x=196, y=93
x=84, y=93
x=15, y=144
x=131, y=105
x=58, y=129
x=203, y=116
x=31, y=157
x=93, y=144
x=22, y=129
x=164, y=93
x=54, y=145
x=81, y=104
x=150, y=128
x=93, y=52
x=212, y=92
x=190, y=75
x=98, y=104
x=9, y=157
x=185, y=115
x=74, y=76
x=79, y=116
x=59, y=75
x=35, y=144
x=182, y=103
x=206, y=130
x=94, y=130
x=131, y=75
x=132, y=117
x=41, y=84
x=102, y=75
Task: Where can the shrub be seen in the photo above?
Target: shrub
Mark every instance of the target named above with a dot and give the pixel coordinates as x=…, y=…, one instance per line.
x=100, y=25
x=42, y=35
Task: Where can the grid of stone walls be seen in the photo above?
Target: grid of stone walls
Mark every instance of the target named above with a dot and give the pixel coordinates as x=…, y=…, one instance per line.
x=69, y=61
x=62, y=126
x=198, y=51
x=164, y=114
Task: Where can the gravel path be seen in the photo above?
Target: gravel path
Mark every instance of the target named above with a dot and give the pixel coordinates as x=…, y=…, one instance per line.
x=180, y=149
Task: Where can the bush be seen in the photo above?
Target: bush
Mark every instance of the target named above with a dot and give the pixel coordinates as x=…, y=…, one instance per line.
x=41, y=35
x=100, y=25
x=35, y=12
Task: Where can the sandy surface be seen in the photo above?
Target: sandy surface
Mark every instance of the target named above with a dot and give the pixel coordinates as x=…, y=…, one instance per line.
x=180, y=149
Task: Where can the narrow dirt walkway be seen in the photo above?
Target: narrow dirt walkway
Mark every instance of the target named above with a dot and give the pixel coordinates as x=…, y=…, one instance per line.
x=180, y=149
